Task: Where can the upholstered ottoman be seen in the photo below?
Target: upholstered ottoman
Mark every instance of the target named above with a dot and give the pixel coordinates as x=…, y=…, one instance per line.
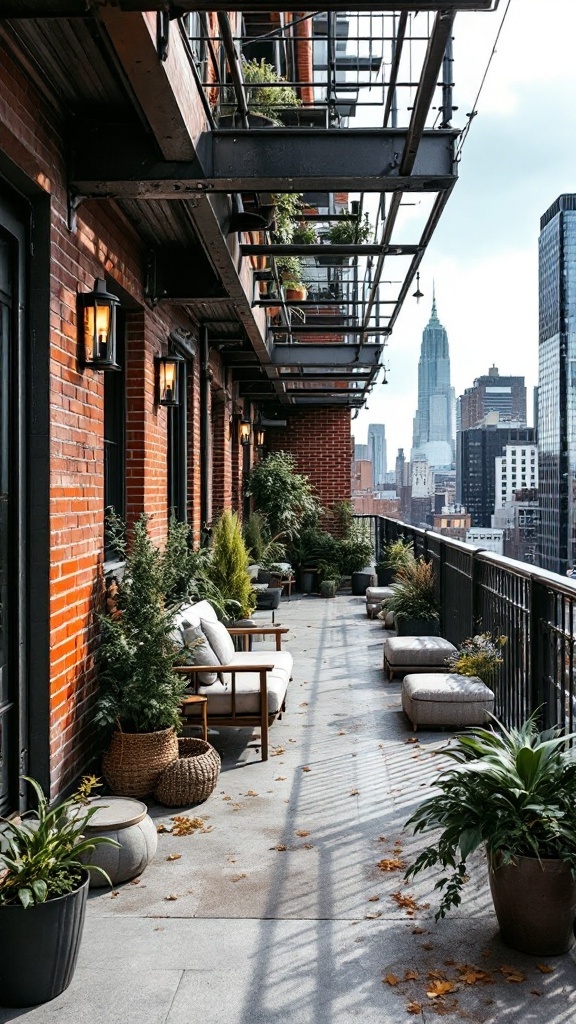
x=374, y=598
x=416, y=654
x=446, y=699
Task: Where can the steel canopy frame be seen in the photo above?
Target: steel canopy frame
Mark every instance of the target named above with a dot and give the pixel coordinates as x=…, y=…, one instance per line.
x=14, y=9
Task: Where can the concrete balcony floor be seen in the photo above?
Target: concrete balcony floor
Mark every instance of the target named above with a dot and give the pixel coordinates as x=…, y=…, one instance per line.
x=279, y=912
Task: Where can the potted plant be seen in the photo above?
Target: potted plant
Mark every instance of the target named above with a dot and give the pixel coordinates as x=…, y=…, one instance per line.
x=479, y=656
x=330, y=579
x=265, y=100
x=414, y=602
x=139, y=694
x=346, y=232
x=287, y=209
x=43, y=892
x=394, y=556
x=305, y=234
x=512, y=792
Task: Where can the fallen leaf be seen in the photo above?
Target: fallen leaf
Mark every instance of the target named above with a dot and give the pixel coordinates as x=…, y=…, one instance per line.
x=354, y=792
x=471, y=976
x=114, y=894
x=226, y=797
x=172, y=896
x=405, y=902
x=302, y=832
x=390, y=979
x=373, y=899
x=292, y=741
x=174, y=856
x=372, y=917
x=417, y=931
x=544, y=968
x=438, y=975
x=535, y=992
x=440, y=988
x=427, y=945
x=162, y=828
x=277, y=752
x=305, y=769
x=512, y=974
x=135, y=881
x=412, y=739
x=391, y=864
x=281, y=778
x=342, y=732
x=303, y=704
x=236, y=878
x=250, y=793
x=307, y=846
x=280, y=847
x=185, y=826
x=411, y=975
x=382, y=839
x=414, y=1007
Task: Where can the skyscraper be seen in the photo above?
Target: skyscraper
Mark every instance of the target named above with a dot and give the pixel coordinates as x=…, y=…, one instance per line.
x=493, y=393
x=557, y=385
x=377, y=452
x=434, y=419
x=479, y=449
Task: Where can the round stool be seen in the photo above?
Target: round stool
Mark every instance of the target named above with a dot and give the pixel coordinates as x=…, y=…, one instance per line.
x=127, y=821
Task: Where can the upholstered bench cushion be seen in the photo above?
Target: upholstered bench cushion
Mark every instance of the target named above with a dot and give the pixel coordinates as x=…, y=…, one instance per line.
x=374, y=598
x=446, y=699
x=407, y=653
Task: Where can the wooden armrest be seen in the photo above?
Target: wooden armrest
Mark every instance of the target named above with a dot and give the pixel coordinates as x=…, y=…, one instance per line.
x=188, y=670
x=256, y=630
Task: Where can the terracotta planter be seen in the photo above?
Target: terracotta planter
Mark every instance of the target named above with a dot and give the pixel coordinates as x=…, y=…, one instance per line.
x=535, y=903
x=135, y=761
x=296, y=294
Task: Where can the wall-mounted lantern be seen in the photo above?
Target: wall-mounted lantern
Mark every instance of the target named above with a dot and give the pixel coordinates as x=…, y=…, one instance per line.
x=259, y=436
x=98, y=325
x=244, y=431
x=168, y=379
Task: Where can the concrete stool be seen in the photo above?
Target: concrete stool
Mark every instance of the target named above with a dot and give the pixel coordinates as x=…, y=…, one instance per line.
x=446, y=699
x=374, y=598
x=416, y=654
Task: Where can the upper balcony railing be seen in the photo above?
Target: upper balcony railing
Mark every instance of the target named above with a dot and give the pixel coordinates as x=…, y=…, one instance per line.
x=534, y=609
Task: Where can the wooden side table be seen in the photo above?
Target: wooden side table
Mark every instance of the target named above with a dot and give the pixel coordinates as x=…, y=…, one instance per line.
x=201, y=700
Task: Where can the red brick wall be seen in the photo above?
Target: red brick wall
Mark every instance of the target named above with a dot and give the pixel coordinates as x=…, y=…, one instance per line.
x=321, y=443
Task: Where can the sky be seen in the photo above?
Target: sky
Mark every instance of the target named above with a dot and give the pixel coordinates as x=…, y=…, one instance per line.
x=520, y=155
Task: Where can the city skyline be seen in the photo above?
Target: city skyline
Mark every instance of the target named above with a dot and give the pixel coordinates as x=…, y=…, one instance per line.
x=483, y=257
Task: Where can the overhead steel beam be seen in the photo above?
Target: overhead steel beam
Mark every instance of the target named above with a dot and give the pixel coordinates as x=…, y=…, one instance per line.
x=326, y=329
x=276, y=160
x=301, y=249
x=326, y=354
x=83, y=8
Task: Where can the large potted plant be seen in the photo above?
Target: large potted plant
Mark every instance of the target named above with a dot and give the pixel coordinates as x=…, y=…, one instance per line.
x=229, y=566
x=139, y=693
x=512, y=792
x=414, y=602
x=43, y=892
x=266, y=95
x=479, y=656
x=346, y=232
x=396, y=554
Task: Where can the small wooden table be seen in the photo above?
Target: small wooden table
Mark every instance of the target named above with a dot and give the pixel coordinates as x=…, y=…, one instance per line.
x=202, y=701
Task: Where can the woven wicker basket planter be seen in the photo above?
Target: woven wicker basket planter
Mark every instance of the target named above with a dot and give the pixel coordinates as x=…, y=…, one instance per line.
x=135, y=760
x=192, y=777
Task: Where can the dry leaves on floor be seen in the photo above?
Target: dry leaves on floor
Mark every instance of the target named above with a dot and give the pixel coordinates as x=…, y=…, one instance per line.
x=440, y=988
x=414, y=1007
x=354, y=792
x=512, y=974
x=374, y=916
x=544, y=968
x=277, y=752
x=390, y=979
x=186, y=826
x=391, y=864
x=408, y=903
x=236, y=878
x=172, y=896
x=306, y=769
x=174, y=856
x=250, y=792
x=373, y=899
x=302, y=832
x=280, y=847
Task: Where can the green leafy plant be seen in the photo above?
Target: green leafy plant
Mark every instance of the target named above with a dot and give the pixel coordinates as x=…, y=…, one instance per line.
x=479, y=655
x=229, y=565
x=305, y=234
x=355, y=550
x=270, y=93
x=290, y=269
x=350, y=232
x=282, y=496
x=287, y=209
x=396, y=554
x=414, y=594
x=138, y=690
x=512, y=791
x=41, y=856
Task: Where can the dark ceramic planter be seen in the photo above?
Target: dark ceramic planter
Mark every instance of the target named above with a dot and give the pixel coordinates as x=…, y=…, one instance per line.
x=416, y=627
x=39, y=948
x=385, y=576
x=360, y=582
x=535, y=903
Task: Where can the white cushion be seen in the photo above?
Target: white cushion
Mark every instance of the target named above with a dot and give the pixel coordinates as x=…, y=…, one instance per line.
x=253, y=571
x=200, y=654
x=447, y=687
x=247, y=694
x=219, y=639
x=282, y=660
x=203, y=610
x=417, y=650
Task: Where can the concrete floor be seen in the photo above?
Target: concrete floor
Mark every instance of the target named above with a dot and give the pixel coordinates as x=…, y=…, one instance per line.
x=277, y=911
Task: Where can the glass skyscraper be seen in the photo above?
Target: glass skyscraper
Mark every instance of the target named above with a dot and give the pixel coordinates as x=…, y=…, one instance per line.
x=377, y=452
x=557, y=385
x=434, y=419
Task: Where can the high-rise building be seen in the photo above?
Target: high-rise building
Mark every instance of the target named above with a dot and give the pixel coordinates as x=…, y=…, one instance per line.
x=516, y=470
x=557, y=385
x=434, y=420
x=493, y=393
x=479, y=449
x=361, y=453
x=377, y=452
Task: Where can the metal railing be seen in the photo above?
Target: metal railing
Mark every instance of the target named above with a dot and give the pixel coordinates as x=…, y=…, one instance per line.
x=534, y=609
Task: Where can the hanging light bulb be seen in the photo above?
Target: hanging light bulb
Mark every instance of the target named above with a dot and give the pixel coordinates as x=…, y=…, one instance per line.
x=418, y=294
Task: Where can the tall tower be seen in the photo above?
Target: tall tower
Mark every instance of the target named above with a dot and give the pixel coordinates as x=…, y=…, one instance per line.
x=377, y=452
x=493, y=393
x=557, y=386
x=434, y=419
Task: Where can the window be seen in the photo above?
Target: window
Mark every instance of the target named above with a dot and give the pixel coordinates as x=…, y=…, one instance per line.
x=177, y=452
x=115, y=433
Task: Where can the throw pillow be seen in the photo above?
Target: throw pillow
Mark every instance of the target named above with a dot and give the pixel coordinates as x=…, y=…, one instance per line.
x=199, y=654
x=219, y=639
x=203, y=610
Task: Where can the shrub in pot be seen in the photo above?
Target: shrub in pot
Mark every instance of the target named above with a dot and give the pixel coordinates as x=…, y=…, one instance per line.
x=414, y=602
x=43, y=893
x=139, y=693
x=479, y=655
x=512, y=792
x=395, y=555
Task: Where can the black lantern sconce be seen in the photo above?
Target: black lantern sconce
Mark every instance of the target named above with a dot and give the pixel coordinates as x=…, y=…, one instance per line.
x=244, y=431
x=98, y=320
x=259, y=436
x=168, y=380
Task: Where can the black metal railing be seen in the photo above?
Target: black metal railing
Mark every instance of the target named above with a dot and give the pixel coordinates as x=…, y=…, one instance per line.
x=534, y=609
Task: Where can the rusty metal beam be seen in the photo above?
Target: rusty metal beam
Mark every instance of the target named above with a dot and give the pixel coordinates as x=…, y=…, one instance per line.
x=84, y=8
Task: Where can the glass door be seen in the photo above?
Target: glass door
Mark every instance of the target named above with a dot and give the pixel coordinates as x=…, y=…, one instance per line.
x=8, y=727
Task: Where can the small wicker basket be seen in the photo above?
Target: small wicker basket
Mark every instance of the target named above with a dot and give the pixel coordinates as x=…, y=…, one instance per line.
x=192, y=777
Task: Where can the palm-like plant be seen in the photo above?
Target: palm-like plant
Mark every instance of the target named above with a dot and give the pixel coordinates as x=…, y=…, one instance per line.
x=414, y=594
x=512, y=791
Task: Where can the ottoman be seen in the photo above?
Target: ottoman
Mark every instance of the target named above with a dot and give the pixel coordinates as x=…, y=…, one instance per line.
x=446, y=699
x=374, y=598
x=416, y=654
